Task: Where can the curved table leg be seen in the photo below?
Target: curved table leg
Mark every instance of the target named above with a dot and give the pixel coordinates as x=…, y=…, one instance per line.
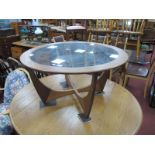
x=97, y=84
x=101, y=81
x=46, y=94
x=42, y=91
x=87, y=101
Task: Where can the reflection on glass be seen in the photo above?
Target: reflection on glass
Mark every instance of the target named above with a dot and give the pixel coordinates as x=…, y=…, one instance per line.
x=80, y=51
x=113, y=56
x=91, y=52
x=52, y=46
x=31, y=54
x=92, y=44
x=74, y=54
x=58, y=61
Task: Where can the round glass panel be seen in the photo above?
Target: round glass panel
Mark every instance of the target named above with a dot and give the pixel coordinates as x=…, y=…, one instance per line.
x=74, y=54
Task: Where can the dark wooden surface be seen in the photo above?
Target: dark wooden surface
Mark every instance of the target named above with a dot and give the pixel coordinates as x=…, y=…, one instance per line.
x=7, y=36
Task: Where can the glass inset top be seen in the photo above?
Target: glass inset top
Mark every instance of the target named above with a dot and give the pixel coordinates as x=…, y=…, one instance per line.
x=74, y=54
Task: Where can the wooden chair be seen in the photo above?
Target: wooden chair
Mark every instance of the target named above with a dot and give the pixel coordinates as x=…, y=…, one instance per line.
x=119, y=71
x=121, y=42
x=100, y=39
x=133, y=28
x=100, y=27
x=146, y=54
x=4, y=71
x=92, y=37
x=7, y=66
x=14, y=63
x=104, y=25
x=81, y=22
x=141, y=72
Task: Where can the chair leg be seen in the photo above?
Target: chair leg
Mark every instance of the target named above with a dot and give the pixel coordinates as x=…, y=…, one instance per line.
x=138, y=47
x=110, y=76
x=146, y=87
x=121, y=80
x=125, y=81
x=150, y=78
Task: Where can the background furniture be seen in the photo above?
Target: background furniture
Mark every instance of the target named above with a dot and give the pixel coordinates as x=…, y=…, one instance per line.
x=13, y=63
x=140, y=72
x=98, y=38
x=133, y=29
x=117, y=74
x=19, y=47
x=58, y=38
x=101, y=28
x=4, y=71
x=7, y=36
x=74, y=30
x=15, y=26
x=151, y=94
x=16, y=51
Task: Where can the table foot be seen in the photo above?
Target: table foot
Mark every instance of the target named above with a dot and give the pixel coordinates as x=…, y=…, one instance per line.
x=64, y=84
x=99, y=93
x=48, y=103
x=84, y=118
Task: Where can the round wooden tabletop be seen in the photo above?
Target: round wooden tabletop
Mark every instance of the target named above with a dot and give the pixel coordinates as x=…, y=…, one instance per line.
x=110, y=114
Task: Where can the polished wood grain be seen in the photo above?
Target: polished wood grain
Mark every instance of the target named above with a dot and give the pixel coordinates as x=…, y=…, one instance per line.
x=116, y=111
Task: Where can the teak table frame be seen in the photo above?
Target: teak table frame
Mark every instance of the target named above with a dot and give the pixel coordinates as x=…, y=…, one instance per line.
x=97, y=84
x=99, y=73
